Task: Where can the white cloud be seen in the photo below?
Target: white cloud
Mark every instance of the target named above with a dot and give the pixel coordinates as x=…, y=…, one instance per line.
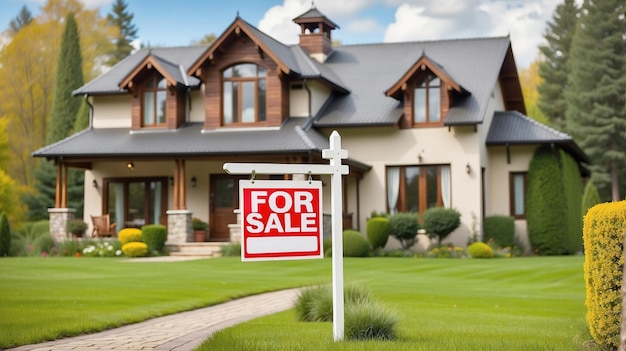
x=366, y=25
x=96, y=3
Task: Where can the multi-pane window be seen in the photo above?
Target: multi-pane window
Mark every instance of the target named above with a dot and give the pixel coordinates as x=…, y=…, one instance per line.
x=244, y=94
x=418, y=188
x=426, y=100
x=517, y=183
x=154, y=98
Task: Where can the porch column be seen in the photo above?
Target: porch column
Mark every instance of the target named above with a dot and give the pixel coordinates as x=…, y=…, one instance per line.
x=59, y=217
x=178, y=227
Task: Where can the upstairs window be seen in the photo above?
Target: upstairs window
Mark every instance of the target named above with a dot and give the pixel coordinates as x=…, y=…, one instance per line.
x=244, y=94
x=426, y=101
x=154, y=101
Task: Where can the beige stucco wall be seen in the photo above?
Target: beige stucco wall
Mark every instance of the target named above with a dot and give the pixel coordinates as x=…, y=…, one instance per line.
x=196, y=113
x=456, y=147
x=112, y=111
x=298, y=99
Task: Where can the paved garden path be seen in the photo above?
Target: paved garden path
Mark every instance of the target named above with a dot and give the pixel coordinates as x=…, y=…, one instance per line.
x=181, y=331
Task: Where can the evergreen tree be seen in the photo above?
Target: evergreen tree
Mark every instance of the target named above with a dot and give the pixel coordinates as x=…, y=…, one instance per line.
x=5, y=236
x=21, y=20
x=553, y=68
x=122, y=19
x=69, y=77
x=596, y=93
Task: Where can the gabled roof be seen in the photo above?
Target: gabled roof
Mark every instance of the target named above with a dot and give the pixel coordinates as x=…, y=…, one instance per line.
x=277, y=51
x=313, y=69
x=370, y=69
x=423, y=63
x=109, y=82
x=512, y=127
x=174, y=73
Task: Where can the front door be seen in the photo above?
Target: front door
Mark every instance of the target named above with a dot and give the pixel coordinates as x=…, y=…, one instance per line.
x=224, y=198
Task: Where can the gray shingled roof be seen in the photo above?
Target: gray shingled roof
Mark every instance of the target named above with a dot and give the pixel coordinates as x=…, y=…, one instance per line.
x=314, y=13
x=186, y=140
x=512, y=127
x=109, y=81
x=368, y=70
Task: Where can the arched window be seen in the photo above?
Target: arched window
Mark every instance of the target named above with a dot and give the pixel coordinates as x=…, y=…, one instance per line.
x=154, y=98
x=244, y=94
x=426, y=101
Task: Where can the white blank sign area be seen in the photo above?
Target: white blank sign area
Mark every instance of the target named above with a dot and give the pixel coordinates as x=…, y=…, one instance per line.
x=281, y=244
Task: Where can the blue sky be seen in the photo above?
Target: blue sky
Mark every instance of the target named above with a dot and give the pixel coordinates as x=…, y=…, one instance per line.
x=180, y=22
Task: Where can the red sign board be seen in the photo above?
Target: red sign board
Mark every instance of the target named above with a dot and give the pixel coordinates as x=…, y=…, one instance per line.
x=280, y=220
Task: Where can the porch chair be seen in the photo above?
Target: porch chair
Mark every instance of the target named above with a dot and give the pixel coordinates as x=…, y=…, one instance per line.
x=102, y=227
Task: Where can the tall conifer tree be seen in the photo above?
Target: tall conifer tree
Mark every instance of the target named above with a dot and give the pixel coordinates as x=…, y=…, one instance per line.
x=596, y=93
x=22, y=19
x=553, y=69
x=121, y=18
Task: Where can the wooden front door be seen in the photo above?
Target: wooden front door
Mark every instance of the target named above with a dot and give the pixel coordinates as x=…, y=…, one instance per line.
x=224, y=198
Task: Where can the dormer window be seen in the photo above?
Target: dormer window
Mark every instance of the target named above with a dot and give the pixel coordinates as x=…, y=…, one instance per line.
x=154, y=101
x=244, y=94
x=426, y=101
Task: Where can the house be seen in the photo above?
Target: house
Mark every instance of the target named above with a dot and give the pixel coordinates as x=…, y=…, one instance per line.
x=432, y=123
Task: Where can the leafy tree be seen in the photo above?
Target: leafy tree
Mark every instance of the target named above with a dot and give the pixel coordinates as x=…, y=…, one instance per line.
x=21, y=20
x=545, y=214
x=5, y=236
x=69, y=77
x=530, y=80
x=122, y=19
x=9, y=199
x=207, y=39
x=553, y=69
x=440, y=222
x=596, y=93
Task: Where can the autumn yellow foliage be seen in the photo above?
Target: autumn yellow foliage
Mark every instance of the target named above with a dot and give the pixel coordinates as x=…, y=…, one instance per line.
x=603, y=236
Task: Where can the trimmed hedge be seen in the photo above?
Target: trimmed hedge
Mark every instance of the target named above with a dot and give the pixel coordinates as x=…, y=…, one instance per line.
x=129, y=235
x=440, y=222
x=135, y=249
x=480, y=250
x=500, y=229
x=354, y=244
x=378, y=232
x=546, y=214
x=603, y=235
x=404, y=227
x=591, y=197
x=154, y=235
x=573, y=193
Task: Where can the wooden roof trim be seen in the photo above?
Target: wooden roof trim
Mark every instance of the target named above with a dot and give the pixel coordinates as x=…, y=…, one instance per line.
x=421, y=64
x=127, y=82
x=513, y=96
x=236, y=28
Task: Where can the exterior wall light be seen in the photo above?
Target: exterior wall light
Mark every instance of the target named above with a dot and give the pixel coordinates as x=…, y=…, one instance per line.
x=468, y=168
x=194, y=181
x=130, y=166
x=95, y=184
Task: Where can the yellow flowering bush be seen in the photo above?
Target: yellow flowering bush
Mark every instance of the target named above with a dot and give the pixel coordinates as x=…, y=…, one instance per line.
x=135, y=249
x=129, y=235
x=480, y=250
x=603, y=236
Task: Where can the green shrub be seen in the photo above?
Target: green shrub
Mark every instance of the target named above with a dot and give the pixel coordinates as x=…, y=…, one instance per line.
x=129, y=235
x=375, y=214
x=572, y=191
x=5, y=236
x=135, y=249
x=154, y=235
x=70, y=248
x=378, y=232
x=77, y=227
x=198, y=224
x=480, y=250
x=328, y=246
x=307, y=298
x=404, y=227
x=500, y=229
x=445, y=251
x=231, y=249
x=546, y=213
x=440, y=222
x=603, y=234
x=44, y=245
x=366, y=320
x=354, y=244
x=590, y=197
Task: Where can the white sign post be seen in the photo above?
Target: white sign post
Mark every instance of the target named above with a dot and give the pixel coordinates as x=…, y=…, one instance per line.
x=335, y=169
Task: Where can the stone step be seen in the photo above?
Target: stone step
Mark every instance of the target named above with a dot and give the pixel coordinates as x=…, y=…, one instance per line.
x=207, y=249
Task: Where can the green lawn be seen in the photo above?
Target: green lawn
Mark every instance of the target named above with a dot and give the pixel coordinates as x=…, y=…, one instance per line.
x=515, y=304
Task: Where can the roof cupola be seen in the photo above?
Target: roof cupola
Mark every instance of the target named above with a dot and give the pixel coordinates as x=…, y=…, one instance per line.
x=315, y=34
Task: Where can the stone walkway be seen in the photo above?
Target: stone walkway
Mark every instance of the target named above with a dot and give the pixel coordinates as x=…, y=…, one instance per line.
x=181, y=332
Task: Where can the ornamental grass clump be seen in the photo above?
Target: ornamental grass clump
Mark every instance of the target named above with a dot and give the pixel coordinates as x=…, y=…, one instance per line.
x=365, y=319
x=129, y=235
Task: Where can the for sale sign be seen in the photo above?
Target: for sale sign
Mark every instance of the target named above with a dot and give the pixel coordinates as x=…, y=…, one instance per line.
x=280, y=220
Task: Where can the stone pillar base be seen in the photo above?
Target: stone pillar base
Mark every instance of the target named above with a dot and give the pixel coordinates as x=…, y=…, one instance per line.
x=179, y=227
x=235, y=228
x=59, y=218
